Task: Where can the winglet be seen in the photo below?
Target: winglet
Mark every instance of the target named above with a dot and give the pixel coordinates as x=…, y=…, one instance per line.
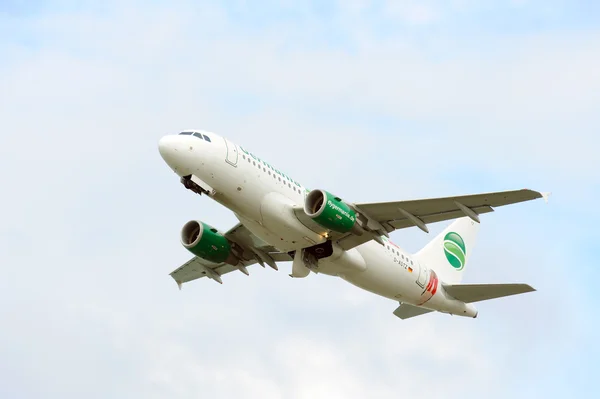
x=546, y=195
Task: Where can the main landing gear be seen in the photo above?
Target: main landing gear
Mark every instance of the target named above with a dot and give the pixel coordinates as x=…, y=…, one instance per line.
x=307, y=259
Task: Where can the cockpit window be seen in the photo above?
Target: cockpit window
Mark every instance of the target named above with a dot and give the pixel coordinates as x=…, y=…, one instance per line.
x=196, y=134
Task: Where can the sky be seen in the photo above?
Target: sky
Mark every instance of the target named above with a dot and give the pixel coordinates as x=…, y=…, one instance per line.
x=370, y=100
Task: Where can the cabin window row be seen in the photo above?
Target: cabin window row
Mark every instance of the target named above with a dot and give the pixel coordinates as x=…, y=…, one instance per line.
x=395, y=251
x=285, y=180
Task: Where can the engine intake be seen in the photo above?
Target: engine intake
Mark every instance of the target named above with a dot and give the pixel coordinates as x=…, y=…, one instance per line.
x=206, y=242
x=330, y=212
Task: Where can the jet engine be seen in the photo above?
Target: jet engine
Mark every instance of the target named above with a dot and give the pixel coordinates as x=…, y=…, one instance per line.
x=331, y=212
x=207, y=243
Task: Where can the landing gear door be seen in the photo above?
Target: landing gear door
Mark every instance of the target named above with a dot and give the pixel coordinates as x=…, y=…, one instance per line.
x=232, y=152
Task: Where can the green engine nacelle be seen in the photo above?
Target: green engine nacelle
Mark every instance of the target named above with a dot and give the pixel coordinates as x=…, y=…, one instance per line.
x=206, y=242
x=329, y=211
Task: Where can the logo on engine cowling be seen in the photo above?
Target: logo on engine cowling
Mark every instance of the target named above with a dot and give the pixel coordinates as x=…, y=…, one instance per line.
x=340, y=210
x=455, y=250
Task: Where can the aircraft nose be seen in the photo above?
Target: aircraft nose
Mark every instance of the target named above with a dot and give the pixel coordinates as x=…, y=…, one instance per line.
x=167, y=148
x=171, y=150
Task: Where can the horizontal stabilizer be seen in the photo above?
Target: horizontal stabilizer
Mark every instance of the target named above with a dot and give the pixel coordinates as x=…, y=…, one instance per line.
x=469, y=293
x=406, y=311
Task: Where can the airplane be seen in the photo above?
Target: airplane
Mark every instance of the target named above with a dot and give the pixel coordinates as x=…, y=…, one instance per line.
x=281, y=220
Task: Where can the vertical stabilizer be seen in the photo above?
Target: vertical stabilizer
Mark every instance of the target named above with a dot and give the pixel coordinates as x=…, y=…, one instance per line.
x=449, y=252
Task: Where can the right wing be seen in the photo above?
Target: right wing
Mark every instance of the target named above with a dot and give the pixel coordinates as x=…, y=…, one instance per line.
x=254, y=251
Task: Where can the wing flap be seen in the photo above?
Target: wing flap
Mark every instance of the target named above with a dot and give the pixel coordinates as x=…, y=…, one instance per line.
x=244, y=237
x=350, y=241
x=470, y=293
x=438, y=217
x=406, y=311
x=394, y=214
x=445, y=207
x=281, y=256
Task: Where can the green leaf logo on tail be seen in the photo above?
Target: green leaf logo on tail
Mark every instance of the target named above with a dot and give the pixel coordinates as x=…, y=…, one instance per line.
x=455, y=251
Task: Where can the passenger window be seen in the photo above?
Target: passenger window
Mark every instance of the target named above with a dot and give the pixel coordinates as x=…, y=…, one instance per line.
x=243, y=156
x=254, y=163
x=207, y=138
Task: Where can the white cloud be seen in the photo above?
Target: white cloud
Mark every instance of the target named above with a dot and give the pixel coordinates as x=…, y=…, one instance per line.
x=90, y=223
x=413, y=12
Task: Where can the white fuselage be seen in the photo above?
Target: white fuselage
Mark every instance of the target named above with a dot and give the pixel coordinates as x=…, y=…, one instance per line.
x=262, y=198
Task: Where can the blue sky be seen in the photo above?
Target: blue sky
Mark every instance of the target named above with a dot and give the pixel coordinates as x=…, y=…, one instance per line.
x=374, y=101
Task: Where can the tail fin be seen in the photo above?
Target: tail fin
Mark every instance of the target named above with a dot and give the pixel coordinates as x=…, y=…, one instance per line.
x=449, y=252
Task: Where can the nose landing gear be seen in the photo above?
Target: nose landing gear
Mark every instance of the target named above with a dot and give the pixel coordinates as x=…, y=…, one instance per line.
x=193, y=186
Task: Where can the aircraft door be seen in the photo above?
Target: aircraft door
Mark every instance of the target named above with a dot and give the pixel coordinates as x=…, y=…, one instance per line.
x=232, y=152
x=422, y=279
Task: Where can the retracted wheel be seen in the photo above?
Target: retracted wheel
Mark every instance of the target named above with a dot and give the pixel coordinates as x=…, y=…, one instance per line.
x=191, y=185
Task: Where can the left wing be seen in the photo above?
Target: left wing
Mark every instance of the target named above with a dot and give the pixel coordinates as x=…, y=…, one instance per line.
x=381, y=218
x=253, y=250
